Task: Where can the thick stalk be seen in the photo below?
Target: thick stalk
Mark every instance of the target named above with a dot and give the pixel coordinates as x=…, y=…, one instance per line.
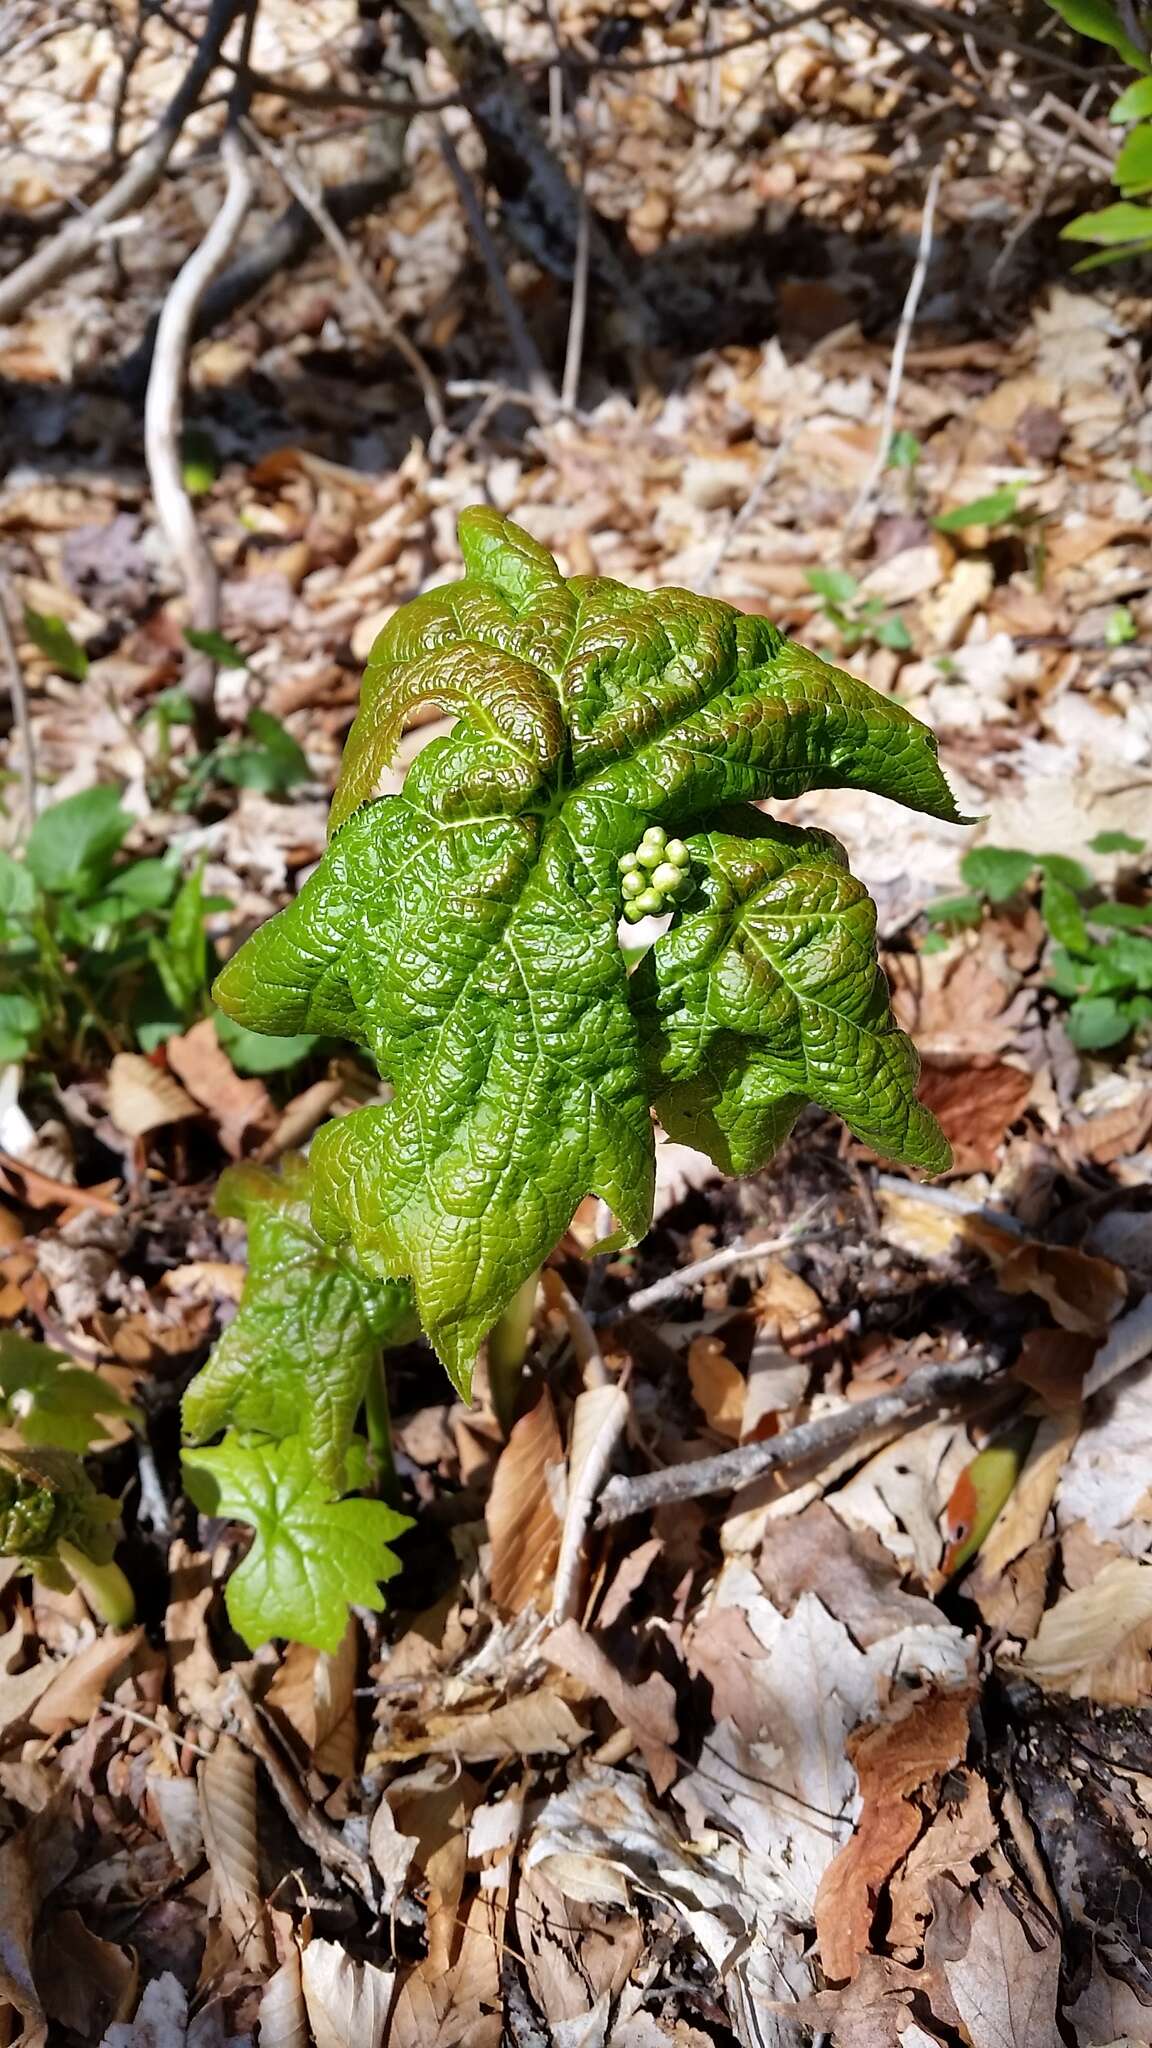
x=104, y=1586
x=378, y=1421
x=507, y=1349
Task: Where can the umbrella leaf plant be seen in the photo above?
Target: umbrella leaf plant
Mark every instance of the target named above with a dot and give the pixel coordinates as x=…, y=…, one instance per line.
x=610, y=749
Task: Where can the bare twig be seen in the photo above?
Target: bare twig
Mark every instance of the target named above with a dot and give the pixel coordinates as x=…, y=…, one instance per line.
x=900, y=351
x=533, y=374
x=749, y=508
x=77, y=241
x=163, y=419
x=21, y=719
x=578, y=311
x=932, y=1386
x=307, y=196
x=686, y=1278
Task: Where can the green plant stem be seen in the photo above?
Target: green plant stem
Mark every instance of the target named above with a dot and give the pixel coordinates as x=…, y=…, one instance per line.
x=378, y=1420
x=507, y=1348
x=104, y=1586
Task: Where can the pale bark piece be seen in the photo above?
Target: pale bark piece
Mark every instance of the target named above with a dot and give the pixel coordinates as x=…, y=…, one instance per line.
x=347, y=2002
x=523, y=1527
x=648, y=1709
x=1004, y=1986
x=1096, y=1643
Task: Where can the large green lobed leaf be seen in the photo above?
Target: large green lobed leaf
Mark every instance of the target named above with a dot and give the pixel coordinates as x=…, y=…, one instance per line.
x=466, y=931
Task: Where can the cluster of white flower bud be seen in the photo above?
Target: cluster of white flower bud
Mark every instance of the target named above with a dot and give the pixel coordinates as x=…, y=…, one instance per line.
x=654, y=876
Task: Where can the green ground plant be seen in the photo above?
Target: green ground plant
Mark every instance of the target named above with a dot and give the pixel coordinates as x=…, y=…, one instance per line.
x=1123, y=229
x=467, y=933
x=1099, y=959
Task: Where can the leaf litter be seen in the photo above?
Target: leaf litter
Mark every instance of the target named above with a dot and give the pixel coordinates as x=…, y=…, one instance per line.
x=765, y=1766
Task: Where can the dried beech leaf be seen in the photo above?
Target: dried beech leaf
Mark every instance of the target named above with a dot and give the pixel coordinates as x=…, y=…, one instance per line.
x=522, y=1524
x=1003, y=1985
x=648, y=1709
x=1096, y=1643
x=142, y=1097
x=718, y=1387
x=228, y=1816
x=347, y=2001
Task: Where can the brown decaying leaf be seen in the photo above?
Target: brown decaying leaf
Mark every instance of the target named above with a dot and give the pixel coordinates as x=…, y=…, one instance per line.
x=718, y=1387
x=647, y=1709
x=976, y=1106
x=236, y=1106
x=1096, y=1643
x=522, y=1524
x=86, y=1983
x=315, y=1694
x=228, y=1815
x=1083, y=1293
x=283, y=2013
x=391, y=1853
x=532, y=1724
x=897, y=1758
x=75, y=1693
x=1005, y=1984
x=1054, y=1364
x=956, y=1835
x=142, y=1097
x=346, y=2001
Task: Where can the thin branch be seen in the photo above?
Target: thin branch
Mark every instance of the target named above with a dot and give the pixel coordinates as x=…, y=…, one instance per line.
x=306, y=195
x=163, y=420
x=21, y=718
x=686, y=1278
x=932, y=1386
x=79, y=240
x=900, y=351
x=535, y=377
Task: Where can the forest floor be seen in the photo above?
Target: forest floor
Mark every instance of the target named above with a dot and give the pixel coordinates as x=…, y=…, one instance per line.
x=777, y=1764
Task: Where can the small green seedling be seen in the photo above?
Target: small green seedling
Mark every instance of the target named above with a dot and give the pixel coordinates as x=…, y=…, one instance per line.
x=857, y=619
x=1123, y=229
x=1100, y=957
x=1121, y=628
x=609, y=751
x=52, y=637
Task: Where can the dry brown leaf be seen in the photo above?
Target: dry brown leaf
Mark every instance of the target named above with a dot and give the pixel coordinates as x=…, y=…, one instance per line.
x=316, y=1695
x=976, y=1107
x=785, y=1304
x=647, y=1709
x=533, y=1724
x=1096, y=1643
x=391, y=1853
x=523, y=1527
x=192, y=1589
x=236, y=1106
x=895, y=1759
x=718, y=1386
x=20, y=1892
x=142, y=1097
x=78, y=1688
x=283, y=2013
x=86, y=1984
x=346, y=2001
x=1004, y=1986
x=1055, y=1363
x=956, y=1835
x=1083, y=1293
x=1114, y=1134
x=228, y=1815
x=848, y=1569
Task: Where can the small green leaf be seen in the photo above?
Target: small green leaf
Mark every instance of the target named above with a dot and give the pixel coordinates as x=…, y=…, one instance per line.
x=47, y=1498
x=1134, y=102
x=73, y=844
x=252, y=1052
x=311, y=1558
x=1121, y=627
x=1117, y=842
x=52, y=637
x=1096, y=1022
x=1062, y=868
x=837, y=586
x=18, y=897
x=222, y=650
x=275, y=766
x=1100, y=19
x=145, y=885
x=990, y=511
x=200, y=461
x=1142, y=478
x=180, y=952
x=892, y=632
x=1111, y=225
x=1060, y=909
x=1122, y=916
x=50, y=1400
x=998, y=872
x=1133, y=172
x=904, y=451
x=965, y=911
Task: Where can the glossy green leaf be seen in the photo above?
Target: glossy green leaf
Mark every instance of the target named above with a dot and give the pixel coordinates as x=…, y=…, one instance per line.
x=989, y=511
x=1062, y=868
x=1122, y=916
x=52, y=637
x=47, y=1498
x=309, y=1329
x=311, y=1557
x=998, y=872
x=466, y=931
x=73, y=844
x=1099, y=18
x=770, y=996
x=1122, y=222
x=1133, y=172
x=1134, y=103
x=1060, y=909
x=50, y=1400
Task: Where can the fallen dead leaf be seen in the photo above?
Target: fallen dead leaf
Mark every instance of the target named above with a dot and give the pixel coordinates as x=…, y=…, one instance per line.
x=719, y=1388
x=346, y=2001
x=228, y=1815
x=142, y=1097
x=976, y=1107
x=1083, y=1293
x=1096, y=1643
x=523, y=1527
x=1005, y=1984
x=315, y=1694
x=957, y=1834
x=647, y=1709
x=78, y=1688
x=236, y=1106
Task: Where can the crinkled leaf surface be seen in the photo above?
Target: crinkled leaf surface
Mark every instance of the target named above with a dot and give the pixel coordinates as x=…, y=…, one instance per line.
x=310, y=1326
x=51, y=1401
x=466, y=931
x=47, y=1498
x=311, y=1557
x=769, y=996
